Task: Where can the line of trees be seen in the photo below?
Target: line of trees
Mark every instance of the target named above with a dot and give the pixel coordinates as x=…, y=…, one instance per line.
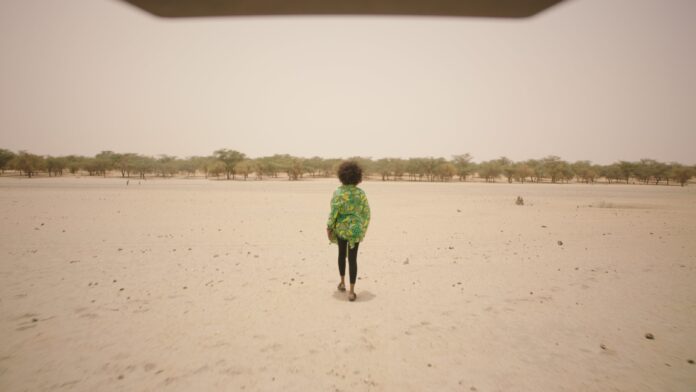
x=232, y=164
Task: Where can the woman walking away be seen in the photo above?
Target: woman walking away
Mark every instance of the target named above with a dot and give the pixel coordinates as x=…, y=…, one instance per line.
x=348, y=221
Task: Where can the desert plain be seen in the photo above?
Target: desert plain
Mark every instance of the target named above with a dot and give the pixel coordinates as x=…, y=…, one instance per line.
x=198, y=285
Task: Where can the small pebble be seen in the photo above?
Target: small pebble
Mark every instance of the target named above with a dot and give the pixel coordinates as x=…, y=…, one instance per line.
x=602, y=346
x=560, y=243
x=649, y=336
x=691, y=361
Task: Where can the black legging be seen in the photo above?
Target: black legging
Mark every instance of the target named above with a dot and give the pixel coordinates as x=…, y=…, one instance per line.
x=352, y=259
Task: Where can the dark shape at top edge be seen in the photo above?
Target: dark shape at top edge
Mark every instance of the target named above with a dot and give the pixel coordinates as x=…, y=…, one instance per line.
x=455, y=8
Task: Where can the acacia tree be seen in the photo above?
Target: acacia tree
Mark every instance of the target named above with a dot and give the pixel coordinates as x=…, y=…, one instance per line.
x=55, y=165
x=627, y=170
x=489, y=170
x=105, y=161
x=295, y=169
x=507, y=168
x=643, y=170
x=216, y=167
x=611, y=172
x=230, y=158
x=188, y=166
x=313, y=165
x=6, y=157
x=680, y=173
x=553, y=167
x=330, y=166
x=585, y=171
x=464, y=165
x=445, y=171
x=522, y=171
x=143, y=165
x=245, y=168
x=567, y=173
x=167, y=165
x=125, y=163
x=202, y=163
x=537, y=170
x=384, y=167
x=265, y=166
x=660, y=172
x=430, y=166
x=28, y=164
x=414, y=169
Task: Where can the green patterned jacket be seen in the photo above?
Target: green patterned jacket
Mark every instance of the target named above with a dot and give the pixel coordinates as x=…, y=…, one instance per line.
x=350, y=214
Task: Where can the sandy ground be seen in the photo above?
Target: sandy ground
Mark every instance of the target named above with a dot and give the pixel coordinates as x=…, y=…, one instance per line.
x=195, y=285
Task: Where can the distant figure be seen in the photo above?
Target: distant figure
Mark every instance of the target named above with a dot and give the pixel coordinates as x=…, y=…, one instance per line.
x=519, y=201
x=127, y=182
x=348, y=221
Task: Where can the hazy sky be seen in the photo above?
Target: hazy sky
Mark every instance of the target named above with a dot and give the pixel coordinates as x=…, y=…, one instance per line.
x=589, y=79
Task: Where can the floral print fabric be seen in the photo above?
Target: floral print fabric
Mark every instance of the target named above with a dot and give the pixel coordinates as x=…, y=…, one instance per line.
x=350, y=214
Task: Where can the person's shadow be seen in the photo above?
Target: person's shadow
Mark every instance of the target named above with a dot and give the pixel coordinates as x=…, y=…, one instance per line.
x=363, y=296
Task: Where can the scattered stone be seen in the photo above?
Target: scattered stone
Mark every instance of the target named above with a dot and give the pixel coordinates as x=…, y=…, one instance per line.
x=691, y=361
x=121, y=289
x=184, y=287
x=120, y=376
x=406, y=261
x=543, y=226
x=120, y=249
x=450, y=247
x=430, y=365
x=458, y=210
x=114, y=280
x=519, y=201
x=602, y=346
x=649, y=336
x=34, y=320
x=560, y=243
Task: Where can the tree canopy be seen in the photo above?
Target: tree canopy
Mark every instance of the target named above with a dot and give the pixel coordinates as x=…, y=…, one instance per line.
x=461, y=167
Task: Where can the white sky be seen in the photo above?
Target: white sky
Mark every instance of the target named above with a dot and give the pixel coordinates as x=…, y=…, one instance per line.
x=589, y=79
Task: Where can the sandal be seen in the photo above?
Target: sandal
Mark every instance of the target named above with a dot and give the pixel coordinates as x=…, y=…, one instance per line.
x=341, y=287
x=352, y=297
